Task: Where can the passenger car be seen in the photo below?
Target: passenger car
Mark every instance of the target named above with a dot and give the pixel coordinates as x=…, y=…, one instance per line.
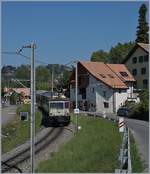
x=123, y=111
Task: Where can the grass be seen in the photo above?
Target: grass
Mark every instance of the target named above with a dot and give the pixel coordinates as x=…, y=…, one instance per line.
x=94, y=148
x=17, y=132
x=137, y=166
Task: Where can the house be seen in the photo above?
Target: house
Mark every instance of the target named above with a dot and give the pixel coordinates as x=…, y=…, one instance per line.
x=137, y=62
x=101, y=87
x=24, y=91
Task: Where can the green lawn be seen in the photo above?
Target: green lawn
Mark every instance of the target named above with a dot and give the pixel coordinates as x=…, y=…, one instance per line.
x=94, y=148
x=18, y=131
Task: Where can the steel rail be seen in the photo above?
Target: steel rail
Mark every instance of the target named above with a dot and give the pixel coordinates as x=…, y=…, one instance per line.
x=12, y=162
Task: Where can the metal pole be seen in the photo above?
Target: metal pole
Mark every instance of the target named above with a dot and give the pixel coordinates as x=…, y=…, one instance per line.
x=32, y=128
x=76, y=76
x=52, y=79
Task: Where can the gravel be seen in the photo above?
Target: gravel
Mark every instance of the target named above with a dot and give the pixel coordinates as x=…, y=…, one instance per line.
x=48, y=151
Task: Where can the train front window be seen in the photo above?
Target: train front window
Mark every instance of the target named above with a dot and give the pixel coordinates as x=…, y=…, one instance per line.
x=56, y=105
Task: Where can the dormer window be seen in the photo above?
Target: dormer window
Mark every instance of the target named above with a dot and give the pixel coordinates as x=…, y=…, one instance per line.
x=124, y=74
x=102, y=75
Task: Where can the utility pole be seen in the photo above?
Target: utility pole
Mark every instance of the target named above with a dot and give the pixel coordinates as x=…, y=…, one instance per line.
x=33, y=95
x=32, y=46
x=52, y=88
x=76, y=77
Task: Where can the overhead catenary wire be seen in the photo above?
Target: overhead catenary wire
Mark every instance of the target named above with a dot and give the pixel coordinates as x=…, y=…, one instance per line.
x=19, y=54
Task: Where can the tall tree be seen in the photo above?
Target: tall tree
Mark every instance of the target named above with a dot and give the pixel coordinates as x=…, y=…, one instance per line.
x=142, y=29
x=100, y=56
x=119, y=52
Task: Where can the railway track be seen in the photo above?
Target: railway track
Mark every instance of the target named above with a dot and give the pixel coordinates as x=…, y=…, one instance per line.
x=13, y=161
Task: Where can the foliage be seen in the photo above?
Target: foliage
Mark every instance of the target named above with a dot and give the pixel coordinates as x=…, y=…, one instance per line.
x=119, y=52
x=100, y=56
x=94, y=149
x=142, y=29
x=42, y=86
x=13, y=98
x=140, y=110
x=23, y=72
x=17, y=131
x=116, y=54
x=42, y=74
x=136, y=163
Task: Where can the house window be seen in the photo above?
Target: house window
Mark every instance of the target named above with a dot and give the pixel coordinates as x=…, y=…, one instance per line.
x=119, y=91
x=146, y=58
x=82, y=91
x=135, y=84
x=134, y=72
x=134, y=59
x=102, y=75
x=104, y=93
x=145, y=83
x=143, y=71
x=124, y=74
x=93, y=90
x=106, y=105
x=141, y=59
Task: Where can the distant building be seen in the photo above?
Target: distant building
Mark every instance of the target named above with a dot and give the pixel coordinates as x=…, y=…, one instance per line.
x=137, y=62
x=101, y=87
x=24, y=91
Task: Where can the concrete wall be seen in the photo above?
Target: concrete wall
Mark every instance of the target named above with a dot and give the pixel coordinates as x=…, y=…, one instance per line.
x=139, y=65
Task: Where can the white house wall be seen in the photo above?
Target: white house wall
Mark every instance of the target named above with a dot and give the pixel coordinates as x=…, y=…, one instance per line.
x=121, y=97
x=95, y=96
x=100, y=99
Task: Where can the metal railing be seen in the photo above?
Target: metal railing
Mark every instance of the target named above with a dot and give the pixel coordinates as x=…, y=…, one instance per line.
x=124, y=155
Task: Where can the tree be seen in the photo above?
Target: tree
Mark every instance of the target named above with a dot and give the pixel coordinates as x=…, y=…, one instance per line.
x=119, y=52
x=42, y=74
x=100, y=56
x=142, y=29
x=23, y=72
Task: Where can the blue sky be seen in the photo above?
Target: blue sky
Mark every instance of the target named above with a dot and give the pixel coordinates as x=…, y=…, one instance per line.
x=65, y=31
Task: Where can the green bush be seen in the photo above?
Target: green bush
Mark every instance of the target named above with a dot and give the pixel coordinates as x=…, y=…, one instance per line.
x=140, y=110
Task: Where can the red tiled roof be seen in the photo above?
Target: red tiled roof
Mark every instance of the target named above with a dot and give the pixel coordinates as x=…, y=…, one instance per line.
x=26, y=91
x=118, y=69
x=106, y=74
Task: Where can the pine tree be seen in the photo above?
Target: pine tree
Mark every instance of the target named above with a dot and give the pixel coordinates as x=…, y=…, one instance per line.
x=142, y=32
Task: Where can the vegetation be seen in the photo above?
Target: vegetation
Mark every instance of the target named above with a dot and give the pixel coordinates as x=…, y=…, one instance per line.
x=142, y=29
x=94, y=149
x=23, y=72
x=43, y=76
x=140, y=110
x=100, y=56
x=137, y=166
x=119, y=52
x=17, y=132
x=116, y=54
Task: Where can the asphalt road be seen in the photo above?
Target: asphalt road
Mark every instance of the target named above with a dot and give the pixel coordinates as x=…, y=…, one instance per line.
x=8, y=114
x=140, y=130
